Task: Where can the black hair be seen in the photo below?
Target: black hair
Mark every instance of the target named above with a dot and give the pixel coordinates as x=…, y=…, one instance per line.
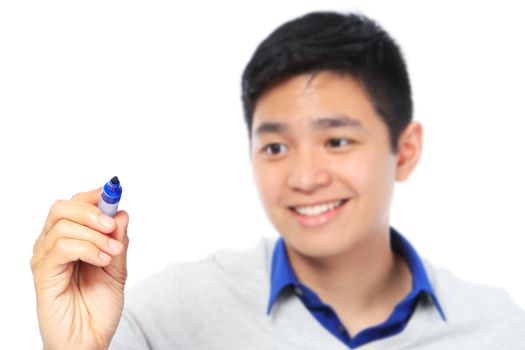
x=343, y=43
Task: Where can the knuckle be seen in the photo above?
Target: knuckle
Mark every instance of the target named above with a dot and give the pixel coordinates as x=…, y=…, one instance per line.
x=57, y=205
x=84, y=250
x=35, y=262
x=36, y=245
x=49, y=242
x=59, y=230
x=60, y=226
x=39, y=247
x=76, y=195
x=61, y=245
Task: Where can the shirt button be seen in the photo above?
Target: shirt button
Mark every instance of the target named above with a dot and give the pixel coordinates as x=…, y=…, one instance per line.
x=298, y=291
x=342, y=328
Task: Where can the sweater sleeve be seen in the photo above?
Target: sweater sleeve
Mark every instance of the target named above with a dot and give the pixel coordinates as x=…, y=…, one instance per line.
x=129, y=334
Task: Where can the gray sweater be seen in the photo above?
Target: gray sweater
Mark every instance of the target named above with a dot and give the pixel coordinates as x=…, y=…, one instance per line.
x=220, y=303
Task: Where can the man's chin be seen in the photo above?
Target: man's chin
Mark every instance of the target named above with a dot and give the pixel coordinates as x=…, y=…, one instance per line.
x=315, y=247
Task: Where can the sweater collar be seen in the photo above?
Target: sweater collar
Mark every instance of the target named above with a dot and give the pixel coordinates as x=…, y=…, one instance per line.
x=282, y=275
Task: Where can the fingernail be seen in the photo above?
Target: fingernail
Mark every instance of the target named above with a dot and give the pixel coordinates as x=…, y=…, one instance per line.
x=105, y=221
x=104, y=257
x=114, y=245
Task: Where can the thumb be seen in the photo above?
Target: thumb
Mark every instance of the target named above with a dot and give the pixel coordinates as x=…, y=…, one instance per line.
x=117, y=267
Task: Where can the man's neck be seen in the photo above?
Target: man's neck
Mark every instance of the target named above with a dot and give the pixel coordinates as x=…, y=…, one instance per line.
x=369, y=279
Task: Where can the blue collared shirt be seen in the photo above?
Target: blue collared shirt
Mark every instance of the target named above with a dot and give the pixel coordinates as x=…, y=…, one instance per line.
x=282, y=277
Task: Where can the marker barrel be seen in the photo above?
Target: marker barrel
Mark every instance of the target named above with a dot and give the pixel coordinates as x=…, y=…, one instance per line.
x=108, y=209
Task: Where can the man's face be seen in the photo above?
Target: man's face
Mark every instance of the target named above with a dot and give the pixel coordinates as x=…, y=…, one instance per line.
x=322, y=163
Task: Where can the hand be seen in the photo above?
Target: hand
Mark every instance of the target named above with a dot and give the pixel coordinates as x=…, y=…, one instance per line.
x=79, y=271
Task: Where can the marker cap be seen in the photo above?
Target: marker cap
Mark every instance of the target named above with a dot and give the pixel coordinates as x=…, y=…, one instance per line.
x=112, y=191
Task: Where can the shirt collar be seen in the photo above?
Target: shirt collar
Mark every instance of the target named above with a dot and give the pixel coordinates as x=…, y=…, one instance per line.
x=283, y=276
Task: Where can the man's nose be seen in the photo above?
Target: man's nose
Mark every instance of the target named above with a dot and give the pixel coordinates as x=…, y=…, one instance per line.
x=308, y=173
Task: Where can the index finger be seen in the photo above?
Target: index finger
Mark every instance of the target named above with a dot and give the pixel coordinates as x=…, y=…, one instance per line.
x=91, y=197
x=82, y=213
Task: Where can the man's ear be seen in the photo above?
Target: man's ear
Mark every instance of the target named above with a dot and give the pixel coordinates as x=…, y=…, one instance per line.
x=409, y=149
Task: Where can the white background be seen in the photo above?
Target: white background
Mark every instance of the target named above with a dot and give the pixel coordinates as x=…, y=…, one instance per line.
x=150, y=91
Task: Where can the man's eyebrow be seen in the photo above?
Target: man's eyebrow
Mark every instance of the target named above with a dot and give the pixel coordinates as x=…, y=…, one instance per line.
x=336, y=122
x=318, y=123
x=271, y=127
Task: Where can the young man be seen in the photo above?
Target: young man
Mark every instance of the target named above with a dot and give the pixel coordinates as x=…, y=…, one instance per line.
x=328, y=106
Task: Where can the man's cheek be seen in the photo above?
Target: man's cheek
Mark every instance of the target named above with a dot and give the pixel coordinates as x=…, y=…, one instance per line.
x=355, y=173
x=267, y=182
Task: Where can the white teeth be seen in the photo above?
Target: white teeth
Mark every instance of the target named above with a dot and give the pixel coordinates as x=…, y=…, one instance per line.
x=317, y=209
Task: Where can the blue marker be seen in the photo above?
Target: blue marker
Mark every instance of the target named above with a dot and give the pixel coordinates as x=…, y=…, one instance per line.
x=110, y=197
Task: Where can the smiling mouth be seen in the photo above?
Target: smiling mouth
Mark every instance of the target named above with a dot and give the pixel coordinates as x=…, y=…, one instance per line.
x=316, y=210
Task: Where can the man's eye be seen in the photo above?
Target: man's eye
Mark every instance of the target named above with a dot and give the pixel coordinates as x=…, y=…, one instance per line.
x=274, y=149
x=339, y=142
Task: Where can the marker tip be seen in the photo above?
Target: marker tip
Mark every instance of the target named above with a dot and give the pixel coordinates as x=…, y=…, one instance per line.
x=115, y=180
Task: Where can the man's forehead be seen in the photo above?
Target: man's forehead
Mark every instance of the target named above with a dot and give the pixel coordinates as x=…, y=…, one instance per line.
x=315, y=103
